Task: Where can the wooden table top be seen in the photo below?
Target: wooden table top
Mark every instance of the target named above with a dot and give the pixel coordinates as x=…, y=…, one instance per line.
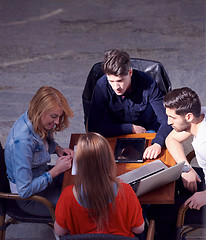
x=162, y=195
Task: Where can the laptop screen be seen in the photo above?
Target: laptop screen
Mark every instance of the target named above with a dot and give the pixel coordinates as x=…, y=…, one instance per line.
x=129, y=149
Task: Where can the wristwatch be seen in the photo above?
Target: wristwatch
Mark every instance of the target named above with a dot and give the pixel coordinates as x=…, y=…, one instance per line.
x=186, y=168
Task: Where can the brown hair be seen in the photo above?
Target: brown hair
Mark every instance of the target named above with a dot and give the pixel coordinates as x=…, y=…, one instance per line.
x=45, y=99
x=116, y=62
x=183, y=100
x=96, y=175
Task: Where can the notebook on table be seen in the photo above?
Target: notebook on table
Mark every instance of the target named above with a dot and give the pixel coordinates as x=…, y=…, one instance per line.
x=151, y=176
x=129, y=150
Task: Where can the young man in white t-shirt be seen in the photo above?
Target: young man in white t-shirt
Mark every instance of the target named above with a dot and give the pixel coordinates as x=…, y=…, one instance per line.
x=187, y=118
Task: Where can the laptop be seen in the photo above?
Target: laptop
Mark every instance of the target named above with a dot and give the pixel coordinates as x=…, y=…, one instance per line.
x=129, y=150
x=151, y=176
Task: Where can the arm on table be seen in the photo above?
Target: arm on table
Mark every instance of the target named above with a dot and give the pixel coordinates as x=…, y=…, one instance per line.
x=156, y=101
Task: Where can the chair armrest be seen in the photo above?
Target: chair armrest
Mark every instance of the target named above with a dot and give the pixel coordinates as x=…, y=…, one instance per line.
x=151, y=230
x=181, y=215
x=36, y=198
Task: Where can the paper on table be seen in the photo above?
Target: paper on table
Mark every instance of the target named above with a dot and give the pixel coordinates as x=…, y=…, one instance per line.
x=74, y=164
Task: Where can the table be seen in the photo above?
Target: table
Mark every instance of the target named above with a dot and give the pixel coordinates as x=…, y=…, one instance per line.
x=162, y=195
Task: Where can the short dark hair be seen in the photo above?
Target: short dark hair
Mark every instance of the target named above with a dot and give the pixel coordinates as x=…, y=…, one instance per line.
x=183, y=100
x=116, y=62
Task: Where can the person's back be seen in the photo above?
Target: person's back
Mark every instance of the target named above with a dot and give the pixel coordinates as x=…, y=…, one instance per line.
x=125, y=214
x=97, y=203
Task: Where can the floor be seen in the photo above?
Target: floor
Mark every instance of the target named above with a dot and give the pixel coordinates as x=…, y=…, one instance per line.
x=52, y=42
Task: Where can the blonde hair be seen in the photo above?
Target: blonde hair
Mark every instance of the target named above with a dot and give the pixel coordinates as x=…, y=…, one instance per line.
x=46, y=99
x=96, y=176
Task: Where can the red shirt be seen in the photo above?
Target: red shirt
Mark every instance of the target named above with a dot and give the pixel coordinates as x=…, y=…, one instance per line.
x=126, y=215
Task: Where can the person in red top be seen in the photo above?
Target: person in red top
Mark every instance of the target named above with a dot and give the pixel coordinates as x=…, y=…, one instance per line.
x=98, y=202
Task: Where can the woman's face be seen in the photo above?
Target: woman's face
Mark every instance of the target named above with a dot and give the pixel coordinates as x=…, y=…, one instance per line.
x=51, y=118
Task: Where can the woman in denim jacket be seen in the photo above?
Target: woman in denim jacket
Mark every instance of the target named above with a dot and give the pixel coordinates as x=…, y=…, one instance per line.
x=28, y=148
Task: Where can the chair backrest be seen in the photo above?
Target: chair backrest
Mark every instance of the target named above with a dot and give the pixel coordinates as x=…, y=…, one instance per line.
x=4, y=183
x=153, y=68
x=97, y=236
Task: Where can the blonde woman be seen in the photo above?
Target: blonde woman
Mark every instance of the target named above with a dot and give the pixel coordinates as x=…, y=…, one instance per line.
x=97, y=203
x=29, y=145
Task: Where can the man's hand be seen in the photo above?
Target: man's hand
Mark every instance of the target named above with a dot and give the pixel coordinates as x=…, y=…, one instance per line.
x=190, y=179
x=138, y=129
x=197, y=200
x=152, y=151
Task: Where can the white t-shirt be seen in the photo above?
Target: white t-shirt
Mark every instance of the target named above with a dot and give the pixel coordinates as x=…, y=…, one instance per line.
x=199, y=144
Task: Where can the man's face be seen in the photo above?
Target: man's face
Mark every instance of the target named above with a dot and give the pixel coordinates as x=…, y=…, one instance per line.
x=120, y=84
x=178, y=122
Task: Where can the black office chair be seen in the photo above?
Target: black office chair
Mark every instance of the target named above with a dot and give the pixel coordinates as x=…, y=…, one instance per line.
x=98, y=236
x=8, y=204
x=153, y=68
x=189, y=220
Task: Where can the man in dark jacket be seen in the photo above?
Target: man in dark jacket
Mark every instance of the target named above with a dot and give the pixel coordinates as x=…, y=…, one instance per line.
x=128, y=101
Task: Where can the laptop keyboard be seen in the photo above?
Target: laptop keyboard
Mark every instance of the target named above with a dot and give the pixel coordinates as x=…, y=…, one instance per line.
x=134, y=185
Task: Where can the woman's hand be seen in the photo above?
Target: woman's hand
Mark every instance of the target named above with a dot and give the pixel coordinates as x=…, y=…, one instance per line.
x=63, y=151
x=63, y=163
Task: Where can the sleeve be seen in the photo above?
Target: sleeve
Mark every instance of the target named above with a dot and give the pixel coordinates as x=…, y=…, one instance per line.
x=156, y=101
x=60, y=211
x=201, y=149
x=22, y=166
x=134, y=208
x=100, y=120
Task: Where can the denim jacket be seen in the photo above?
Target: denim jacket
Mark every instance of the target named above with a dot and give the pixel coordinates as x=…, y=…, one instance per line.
x=26, y=158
